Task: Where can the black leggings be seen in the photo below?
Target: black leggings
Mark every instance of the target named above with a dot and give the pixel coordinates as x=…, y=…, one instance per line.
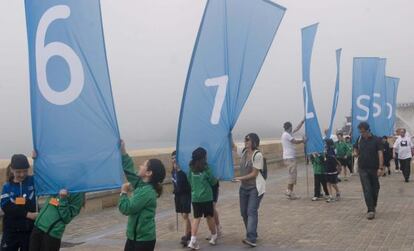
x=13, y=241
x=405, y=165
x=131, y=245
x=320, y=179
x=40, y=241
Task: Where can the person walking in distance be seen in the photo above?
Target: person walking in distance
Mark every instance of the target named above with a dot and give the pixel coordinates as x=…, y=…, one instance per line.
x=402, y=147
x=289, y=155
x=369, y=150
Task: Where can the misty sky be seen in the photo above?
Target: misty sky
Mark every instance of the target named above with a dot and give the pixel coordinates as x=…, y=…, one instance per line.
x=149, y=45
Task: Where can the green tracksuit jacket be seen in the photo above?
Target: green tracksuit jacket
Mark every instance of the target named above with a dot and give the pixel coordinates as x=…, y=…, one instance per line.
x=201, y=184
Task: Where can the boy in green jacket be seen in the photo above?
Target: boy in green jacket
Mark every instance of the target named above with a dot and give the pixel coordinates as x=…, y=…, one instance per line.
x=201, y=181
x=140, y=207
x=52, y=219
x=319, y=175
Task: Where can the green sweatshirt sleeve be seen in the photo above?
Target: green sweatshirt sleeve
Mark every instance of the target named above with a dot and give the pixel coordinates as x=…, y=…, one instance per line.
x=134, y=204
x=70, y=206
x=210, y=177
x=129, y=170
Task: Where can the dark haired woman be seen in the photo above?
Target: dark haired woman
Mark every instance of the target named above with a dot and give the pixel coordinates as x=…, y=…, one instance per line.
x=253, y=185
x=201, y=181
x=331, y=171
x=141, y=205
x=18, y=202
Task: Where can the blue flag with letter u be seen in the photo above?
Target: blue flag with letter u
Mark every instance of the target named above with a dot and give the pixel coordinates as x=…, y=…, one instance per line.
x=364, y=77
x=336, y=92
x=75, y=131
x=314, y=141
x=232, y=43
x=391, y=87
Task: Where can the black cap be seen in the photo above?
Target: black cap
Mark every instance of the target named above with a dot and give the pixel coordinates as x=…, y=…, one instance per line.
x=19, y=161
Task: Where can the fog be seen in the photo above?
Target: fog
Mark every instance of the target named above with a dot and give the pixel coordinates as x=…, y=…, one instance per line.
x=149, y=45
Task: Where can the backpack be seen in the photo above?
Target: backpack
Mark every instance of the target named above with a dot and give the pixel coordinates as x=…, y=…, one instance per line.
x=264, y=170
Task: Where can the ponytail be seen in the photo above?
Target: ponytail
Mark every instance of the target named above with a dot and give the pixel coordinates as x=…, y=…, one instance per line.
x=9, y=174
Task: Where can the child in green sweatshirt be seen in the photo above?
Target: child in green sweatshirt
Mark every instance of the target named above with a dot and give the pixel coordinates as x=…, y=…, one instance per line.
x=140, y=207
x=201, y=181
x=52, y=219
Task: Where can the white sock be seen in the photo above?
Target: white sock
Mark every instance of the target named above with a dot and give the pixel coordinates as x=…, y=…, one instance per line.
x=214, y=236
x=193, y=238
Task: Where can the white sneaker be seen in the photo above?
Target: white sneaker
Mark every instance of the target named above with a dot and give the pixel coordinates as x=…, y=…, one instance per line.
x=288, y=193
x=315, y=198
x=193, y=245
x=293, y=196
x=213, y=239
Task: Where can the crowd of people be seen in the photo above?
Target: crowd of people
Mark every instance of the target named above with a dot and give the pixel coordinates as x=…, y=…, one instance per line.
x=25, y=227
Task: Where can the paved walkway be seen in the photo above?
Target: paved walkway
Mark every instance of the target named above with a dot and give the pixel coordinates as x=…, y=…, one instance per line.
x=284, y=225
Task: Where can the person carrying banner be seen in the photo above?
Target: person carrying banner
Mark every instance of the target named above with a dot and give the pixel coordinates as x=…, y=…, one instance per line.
x=253, y=185
x=369, y=150
x=332, y=170
x=403, y=146
x=201, y=181
x=349, y=157
x=289, y=155
x=341, y=148
x=182, y=197
x=319, y=174
x=57, y=212
x=140, y=207
x=18, y=202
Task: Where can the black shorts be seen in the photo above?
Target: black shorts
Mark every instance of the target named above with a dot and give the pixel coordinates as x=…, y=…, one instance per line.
x=343, y=161
x=332, y=178
x=201, y=209
x=182, y=203
x=215, y=189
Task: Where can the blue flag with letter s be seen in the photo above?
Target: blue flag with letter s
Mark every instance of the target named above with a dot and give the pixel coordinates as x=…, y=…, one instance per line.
x=314, y=141
x=75, y=131
x=232, y=43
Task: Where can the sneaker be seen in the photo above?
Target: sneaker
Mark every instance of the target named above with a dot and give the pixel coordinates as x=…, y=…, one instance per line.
x=370, y=215
x=315, y=198
x=330, y=199
x=185, y=239
x=338, y=196
x=293, y=196
x=213, y=239
x=250, y=243
x=193, y=245
x=288, y=193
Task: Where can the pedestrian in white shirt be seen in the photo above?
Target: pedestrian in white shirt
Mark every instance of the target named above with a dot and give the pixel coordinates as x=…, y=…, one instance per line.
x=402, y=148
x=289, y=155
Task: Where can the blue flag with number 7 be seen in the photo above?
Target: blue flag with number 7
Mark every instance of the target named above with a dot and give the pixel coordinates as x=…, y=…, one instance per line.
x=314, y=141
x=75, y=132
x=232, y=43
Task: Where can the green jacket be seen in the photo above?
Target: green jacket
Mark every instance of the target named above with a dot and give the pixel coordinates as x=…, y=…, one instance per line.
x=349, y=150
x=140, y=207
x=201, y=184
x=341, y=149
x=318, y=165
x=53, y=219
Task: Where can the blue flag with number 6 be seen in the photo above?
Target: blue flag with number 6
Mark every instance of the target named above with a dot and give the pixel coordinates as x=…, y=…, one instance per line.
x=314, y=141
x=75, y=131
x=232, y=43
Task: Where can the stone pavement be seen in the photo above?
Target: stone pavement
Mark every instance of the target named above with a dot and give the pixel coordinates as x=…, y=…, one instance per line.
x=283, y=224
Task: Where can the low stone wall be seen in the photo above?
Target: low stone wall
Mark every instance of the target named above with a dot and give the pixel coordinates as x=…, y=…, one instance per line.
x=271, y=149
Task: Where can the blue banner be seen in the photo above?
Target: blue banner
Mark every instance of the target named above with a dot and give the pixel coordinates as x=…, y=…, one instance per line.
x=336, y=92
x=364, y=78
x=231, y=46
x=391, y=91
x=75, y=131
x=379, y=107
x=313, y=132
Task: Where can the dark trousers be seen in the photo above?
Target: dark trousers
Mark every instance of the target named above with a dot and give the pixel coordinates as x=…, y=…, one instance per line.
x=349, y=164
x=320, y=180
x=131, y=245
x=14, y=241
x=405, y=165
x=370, y=186
x=249, y=209
x=40, y=241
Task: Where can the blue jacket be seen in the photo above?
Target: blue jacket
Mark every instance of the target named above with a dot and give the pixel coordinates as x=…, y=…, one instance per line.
x=14, y=219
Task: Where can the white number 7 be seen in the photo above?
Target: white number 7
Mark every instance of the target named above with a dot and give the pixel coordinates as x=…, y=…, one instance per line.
x=221, y=82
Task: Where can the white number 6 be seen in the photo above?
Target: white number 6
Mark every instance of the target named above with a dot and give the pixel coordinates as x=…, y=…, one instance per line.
x=45, y=52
